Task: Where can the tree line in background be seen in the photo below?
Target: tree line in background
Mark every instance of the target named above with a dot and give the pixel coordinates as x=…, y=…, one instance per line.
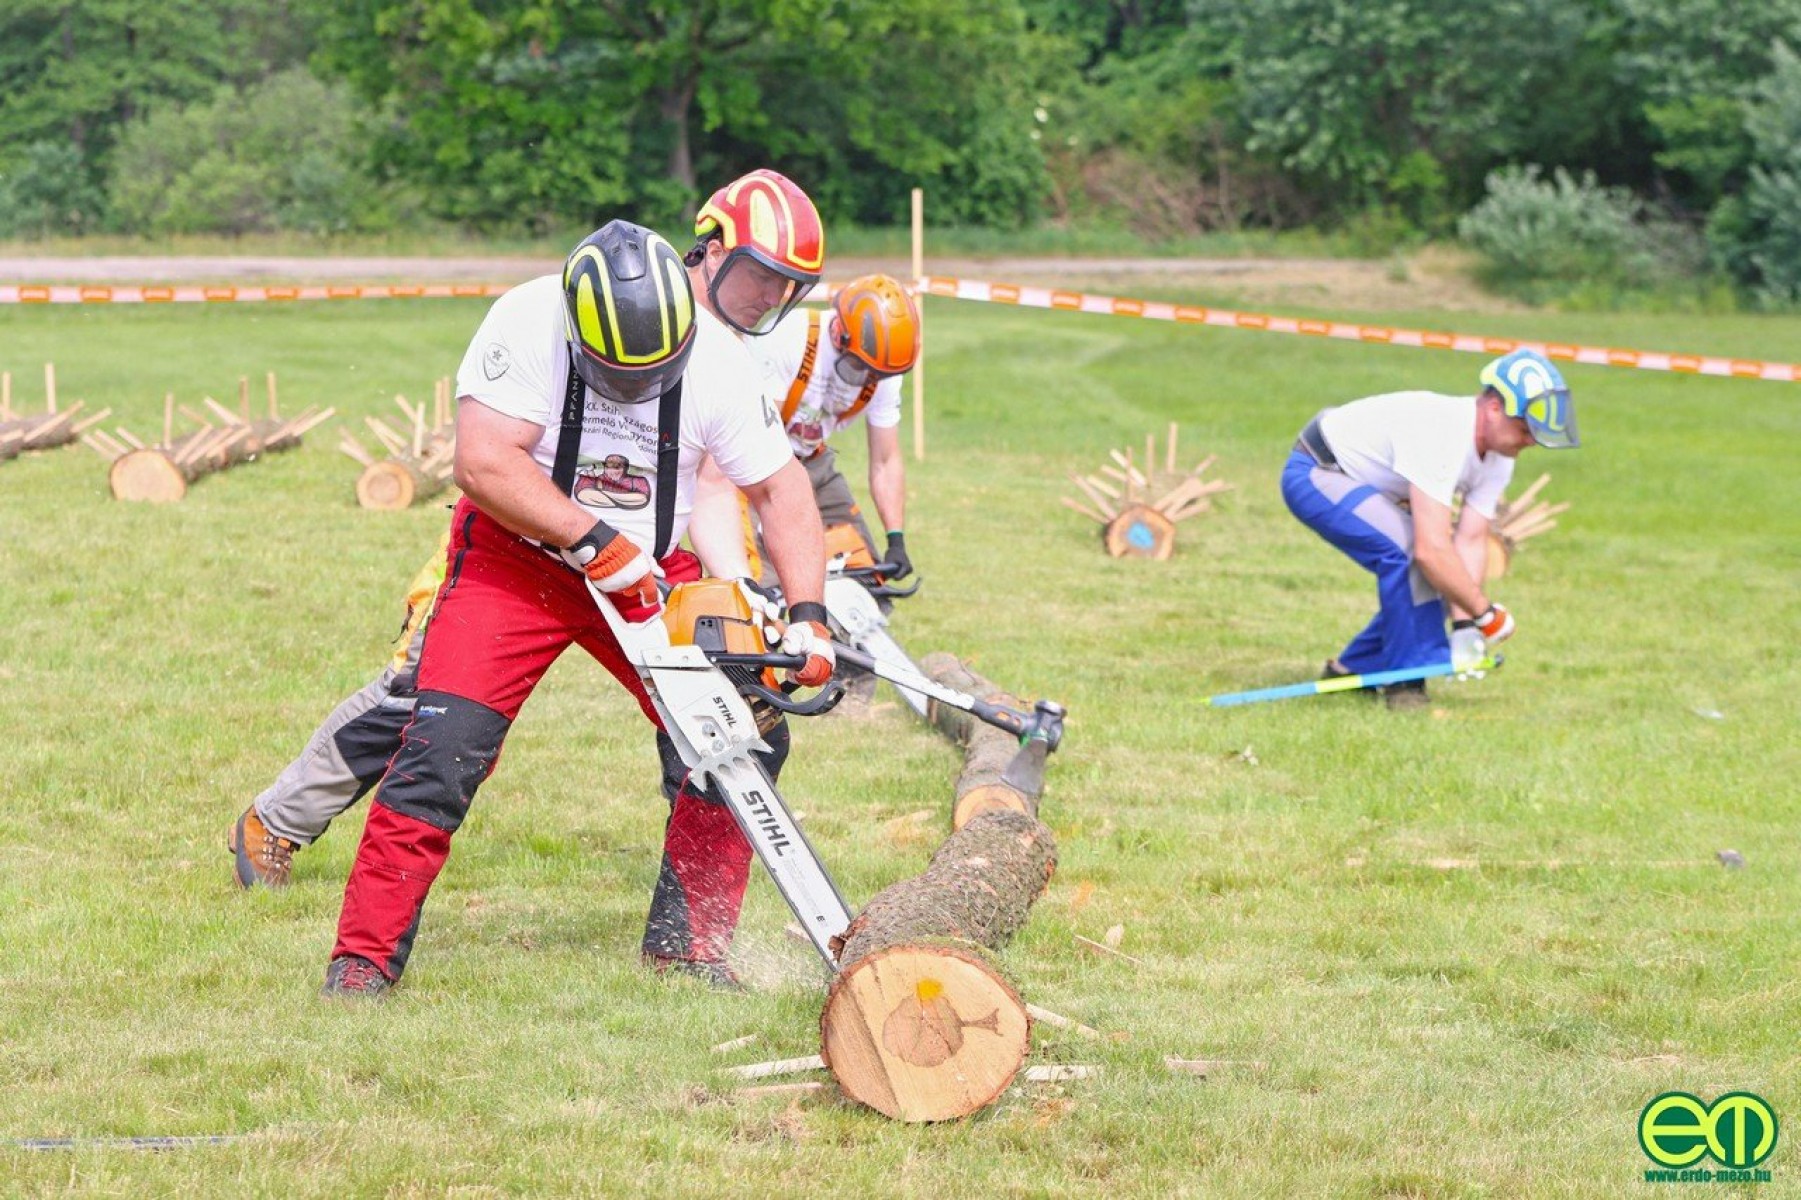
x=1606, y=146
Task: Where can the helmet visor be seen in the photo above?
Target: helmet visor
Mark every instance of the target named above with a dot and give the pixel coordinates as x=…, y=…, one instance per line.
x=626, y=385
x=1551, y=418
x=752, y=294
x=854, y=372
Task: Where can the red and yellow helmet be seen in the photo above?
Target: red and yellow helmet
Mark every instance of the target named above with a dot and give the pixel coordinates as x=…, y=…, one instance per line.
x=878, y=324
x=763, y=218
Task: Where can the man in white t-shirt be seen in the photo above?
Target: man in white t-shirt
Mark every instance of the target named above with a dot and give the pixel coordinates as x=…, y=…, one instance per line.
x=832, y=368
x=1378, y=477
x=611, y=372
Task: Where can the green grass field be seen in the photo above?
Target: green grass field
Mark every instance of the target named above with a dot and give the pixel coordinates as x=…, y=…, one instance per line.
x=1454, y=953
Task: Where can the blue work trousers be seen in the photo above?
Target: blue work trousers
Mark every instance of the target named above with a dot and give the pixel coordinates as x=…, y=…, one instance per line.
x=1376, y=534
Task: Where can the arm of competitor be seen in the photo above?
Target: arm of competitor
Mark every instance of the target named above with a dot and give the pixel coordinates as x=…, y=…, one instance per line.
x=795, y=537
x=1444, y=568
x=888, y=488
x=1470, y=540
x=496, y=470
x=716, y=526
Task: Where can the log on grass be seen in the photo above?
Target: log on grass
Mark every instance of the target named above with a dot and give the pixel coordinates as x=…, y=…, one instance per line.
x=1140, y=531
x=158, y=475
x=987, y=751
x=919, y=1024
x=396, y=483
x=50, y=430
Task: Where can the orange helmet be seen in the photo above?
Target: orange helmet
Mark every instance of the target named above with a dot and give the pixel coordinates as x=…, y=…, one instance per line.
x=765, y=218
x=878, y=324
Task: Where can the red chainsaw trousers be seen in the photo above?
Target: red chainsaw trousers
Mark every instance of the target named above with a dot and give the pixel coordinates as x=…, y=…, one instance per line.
x=505, y=612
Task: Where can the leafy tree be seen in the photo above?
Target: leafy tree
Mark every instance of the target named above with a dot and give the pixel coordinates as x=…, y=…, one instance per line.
x=555, y=111
x=1758, y=235
x=281, y=154
x=47, y=190
x=1345, y=93
x=79, y=70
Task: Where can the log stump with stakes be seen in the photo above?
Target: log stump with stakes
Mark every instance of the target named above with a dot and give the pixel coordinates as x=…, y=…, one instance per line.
x=418, y=463
x=161, y=473
x=919, y=1023
x=1524, y=517
x=1138, y=506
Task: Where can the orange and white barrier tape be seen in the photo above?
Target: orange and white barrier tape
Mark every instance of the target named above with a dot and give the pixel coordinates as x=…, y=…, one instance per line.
x=1152, y=310
x=228, y=293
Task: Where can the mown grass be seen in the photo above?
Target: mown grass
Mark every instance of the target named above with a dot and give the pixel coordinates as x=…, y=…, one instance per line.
x=1286, y=874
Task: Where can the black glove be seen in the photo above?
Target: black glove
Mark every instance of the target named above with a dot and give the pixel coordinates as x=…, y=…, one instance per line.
x=896, y=554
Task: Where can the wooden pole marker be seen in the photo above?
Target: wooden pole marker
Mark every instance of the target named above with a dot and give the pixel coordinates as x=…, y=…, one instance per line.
x=1138, y=518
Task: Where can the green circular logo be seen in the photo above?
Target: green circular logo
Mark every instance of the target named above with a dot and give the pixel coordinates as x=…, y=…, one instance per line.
x=1678, y=1130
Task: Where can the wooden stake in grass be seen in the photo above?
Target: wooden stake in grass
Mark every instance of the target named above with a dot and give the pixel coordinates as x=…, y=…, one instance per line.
x=50, y=386
x=1143, y=524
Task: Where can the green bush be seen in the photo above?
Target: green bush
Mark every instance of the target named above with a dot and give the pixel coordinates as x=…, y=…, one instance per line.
x=284, y=155
x=1568, y=239
x=48, y=191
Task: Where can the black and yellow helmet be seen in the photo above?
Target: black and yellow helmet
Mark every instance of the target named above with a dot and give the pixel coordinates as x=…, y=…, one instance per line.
x=630, y=313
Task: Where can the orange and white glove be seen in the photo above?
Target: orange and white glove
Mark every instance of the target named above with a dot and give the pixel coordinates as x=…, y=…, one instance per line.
x=618, y=568
x=807, y=634
x=1495, y=624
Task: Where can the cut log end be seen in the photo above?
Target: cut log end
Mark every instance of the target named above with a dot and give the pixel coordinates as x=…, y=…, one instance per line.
x=1500, y=555
x=1140, y=531
x=147, y=476
x=991, y=797
x=923, y=1033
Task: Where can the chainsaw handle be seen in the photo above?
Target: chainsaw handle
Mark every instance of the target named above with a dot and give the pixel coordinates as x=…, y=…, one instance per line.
x=875, y=582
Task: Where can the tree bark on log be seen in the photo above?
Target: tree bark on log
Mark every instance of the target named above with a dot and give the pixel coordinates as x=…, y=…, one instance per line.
x=988, y=751
x=919, y=1024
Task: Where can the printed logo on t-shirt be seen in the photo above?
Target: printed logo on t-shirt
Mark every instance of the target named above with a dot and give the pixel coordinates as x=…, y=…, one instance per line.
x=769, y=417
x=495, y=361
x=610, y=482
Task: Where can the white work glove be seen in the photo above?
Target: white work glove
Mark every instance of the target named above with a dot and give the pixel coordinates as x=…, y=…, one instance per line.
x=765, y=609
x=1468, y=647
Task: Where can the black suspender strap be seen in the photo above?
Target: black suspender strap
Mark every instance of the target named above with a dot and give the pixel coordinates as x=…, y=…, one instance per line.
x=569, y=439
x=669, y=454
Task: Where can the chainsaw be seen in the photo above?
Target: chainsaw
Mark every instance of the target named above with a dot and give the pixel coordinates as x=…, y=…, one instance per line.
x=699, y=659
x=855, y=585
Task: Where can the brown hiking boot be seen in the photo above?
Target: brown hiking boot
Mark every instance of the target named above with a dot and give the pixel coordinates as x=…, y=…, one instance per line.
x=261, y=856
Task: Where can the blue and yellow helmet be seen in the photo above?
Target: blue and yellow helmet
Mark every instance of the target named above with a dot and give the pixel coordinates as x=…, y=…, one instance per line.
x=1530, y=387
x=630, y=313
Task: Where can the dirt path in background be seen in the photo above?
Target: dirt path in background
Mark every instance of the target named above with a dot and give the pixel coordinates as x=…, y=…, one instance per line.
x=1429, y=281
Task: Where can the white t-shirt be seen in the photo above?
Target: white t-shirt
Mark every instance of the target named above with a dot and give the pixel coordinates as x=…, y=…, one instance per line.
x=518, y=365
x=822, y=406
x=1419, y=438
